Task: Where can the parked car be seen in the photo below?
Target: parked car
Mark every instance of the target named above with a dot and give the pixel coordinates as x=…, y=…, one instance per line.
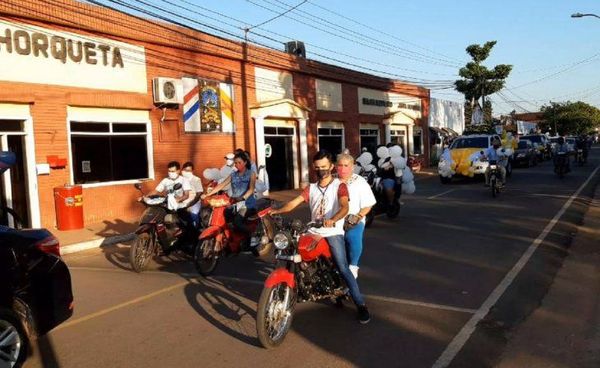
x=35, y=292
x=542, y=144
x=525, y=154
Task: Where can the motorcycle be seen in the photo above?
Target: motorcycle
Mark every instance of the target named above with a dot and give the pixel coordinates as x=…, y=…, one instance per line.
x=560, y=164
x=160, y=225
x=220, y=238
x=495, y=178
x=305, y=272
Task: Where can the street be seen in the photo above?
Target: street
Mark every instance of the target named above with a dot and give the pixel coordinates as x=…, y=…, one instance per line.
x=426, y=275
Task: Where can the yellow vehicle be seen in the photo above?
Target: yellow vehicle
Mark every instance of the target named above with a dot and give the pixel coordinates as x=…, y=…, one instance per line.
x=462, y=157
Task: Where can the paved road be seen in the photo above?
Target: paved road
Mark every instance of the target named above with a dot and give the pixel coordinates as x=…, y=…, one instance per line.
x=426, y=275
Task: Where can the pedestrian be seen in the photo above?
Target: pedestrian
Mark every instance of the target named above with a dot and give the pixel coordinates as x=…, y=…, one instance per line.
x=361, y=202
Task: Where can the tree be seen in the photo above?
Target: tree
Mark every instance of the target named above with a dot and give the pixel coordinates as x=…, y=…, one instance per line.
x=477, y=80
x=570, y=118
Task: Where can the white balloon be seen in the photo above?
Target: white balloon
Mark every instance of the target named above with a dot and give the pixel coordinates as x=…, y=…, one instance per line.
x=225, y=172
x=407, y=176
x=383, y=152
x=395, y=151
x=399, y=162
x=211, y=174
x=409, y=188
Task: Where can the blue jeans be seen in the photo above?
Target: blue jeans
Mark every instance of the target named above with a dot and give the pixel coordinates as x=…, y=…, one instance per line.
x=338, y=251
x=354, y=243
x=388, y=183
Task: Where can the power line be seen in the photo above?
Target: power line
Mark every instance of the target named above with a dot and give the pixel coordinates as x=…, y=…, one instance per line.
x=276, y=17
x=571, y=67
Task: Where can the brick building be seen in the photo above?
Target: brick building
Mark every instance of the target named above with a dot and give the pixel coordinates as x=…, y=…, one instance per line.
x=78, y=85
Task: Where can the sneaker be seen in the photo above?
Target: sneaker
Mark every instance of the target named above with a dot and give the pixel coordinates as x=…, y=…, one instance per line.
x=354, y=270
x=363, y=314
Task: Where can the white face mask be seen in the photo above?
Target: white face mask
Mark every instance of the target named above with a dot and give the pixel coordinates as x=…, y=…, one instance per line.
x=173, y=175
x=187, y=174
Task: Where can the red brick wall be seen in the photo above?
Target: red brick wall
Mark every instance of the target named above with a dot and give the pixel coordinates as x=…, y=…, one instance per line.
x=170, y=52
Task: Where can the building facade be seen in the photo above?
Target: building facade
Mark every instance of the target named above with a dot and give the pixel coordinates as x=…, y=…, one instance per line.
x=95, y=97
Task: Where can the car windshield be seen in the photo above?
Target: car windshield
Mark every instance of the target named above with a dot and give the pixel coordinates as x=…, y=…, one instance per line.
x=470, y=142
x=523, y=144
x=533, y=138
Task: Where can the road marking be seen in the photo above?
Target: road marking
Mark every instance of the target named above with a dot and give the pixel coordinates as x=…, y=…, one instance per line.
x=120, y=306
x=246, y=281
x=420, y=304
x=441, y=194
x=467, y=330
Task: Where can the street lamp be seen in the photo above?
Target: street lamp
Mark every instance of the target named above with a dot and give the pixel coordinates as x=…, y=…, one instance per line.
x=579, y=15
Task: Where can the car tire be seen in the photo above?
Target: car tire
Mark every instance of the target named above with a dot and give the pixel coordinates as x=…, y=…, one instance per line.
x=9, y=321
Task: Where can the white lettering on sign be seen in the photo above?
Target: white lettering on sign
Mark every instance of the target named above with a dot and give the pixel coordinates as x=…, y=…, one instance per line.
x=32, y=54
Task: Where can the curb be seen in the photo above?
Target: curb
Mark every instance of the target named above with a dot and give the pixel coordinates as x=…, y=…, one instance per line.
x=96, y=243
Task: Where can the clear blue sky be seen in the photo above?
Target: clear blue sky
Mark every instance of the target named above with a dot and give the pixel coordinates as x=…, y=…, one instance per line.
x=554, y=56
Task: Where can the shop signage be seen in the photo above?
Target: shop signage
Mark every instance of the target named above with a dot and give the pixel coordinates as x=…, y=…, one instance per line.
x=34, y=54
x=374, y=102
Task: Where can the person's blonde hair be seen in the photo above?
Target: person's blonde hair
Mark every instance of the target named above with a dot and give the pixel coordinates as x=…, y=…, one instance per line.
x=345, y=156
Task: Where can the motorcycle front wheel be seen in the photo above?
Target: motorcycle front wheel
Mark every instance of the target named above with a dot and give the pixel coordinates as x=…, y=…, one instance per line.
x=275, y=313
x=141, y=251
x=205, y=257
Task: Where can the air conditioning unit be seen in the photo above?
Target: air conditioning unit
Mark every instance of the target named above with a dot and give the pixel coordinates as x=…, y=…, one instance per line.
x=296, y=48
x=168, y=91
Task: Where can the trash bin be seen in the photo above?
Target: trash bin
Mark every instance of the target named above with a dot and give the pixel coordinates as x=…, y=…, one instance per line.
x=68, y=201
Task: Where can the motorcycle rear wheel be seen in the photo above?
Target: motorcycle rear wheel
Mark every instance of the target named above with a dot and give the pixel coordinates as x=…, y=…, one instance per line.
x=205, y=257
x=141, y=251
x=275, y=314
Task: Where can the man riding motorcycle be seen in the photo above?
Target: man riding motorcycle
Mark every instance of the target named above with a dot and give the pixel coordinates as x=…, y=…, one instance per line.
x=562, y=147
x=582, y=144
x=491, y=154
x=181, y=200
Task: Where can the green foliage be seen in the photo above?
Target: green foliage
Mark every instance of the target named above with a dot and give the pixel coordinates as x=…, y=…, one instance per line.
x=570, y=118
x=485, y=128
x=487, y=112
x=477, y=80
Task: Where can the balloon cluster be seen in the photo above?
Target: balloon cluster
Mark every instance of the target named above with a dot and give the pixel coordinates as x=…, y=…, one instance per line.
x=445, y=166
x=392, y=157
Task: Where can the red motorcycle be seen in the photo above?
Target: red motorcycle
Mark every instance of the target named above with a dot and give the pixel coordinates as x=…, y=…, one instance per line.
x=220, y=238
x=305, y=272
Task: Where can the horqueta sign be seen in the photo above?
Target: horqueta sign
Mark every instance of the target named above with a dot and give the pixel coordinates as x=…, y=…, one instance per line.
x=33, y=54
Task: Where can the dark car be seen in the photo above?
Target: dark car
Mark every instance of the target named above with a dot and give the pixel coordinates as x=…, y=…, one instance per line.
x=35, y=292
x=525, y=154
x=542, y=145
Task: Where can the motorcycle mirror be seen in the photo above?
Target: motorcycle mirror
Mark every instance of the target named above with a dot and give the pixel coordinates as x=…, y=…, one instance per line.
x=297, y=225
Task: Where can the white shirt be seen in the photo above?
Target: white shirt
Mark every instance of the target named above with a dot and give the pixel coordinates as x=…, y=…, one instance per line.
x=167, y=184
x=324, y=204
x=361, y=195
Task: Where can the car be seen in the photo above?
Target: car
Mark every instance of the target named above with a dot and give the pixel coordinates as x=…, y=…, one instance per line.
x=35, y=294
x=525, y=154
x=462, y=153
x=541, y=143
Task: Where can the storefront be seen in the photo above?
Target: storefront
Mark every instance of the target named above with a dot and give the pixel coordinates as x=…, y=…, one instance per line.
x=110, y=106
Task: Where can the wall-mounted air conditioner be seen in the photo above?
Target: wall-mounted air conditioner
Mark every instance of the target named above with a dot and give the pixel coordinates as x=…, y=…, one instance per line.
x=167, y=91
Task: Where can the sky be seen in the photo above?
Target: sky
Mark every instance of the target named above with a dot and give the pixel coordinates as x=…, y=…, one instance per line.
x=554, y=57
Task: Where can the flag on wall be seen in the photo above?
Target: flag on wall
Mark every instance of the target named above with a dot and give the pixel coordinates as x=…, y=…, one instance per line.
x=191, y=105
x=226, y=92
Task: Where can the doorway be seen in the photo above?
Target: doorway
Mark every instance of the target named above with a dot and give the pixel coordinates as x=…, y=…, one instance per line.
x=280, y=165
x=13, y=183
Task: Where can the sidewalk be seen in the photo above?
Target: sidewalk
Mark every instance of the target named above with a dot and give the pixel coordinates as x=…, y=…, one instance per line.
x=565, y=330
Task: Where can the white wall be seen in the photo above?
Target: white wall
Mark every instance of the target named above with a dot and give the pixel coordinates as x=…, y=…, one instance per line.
x=447, y=114
x=273, y=85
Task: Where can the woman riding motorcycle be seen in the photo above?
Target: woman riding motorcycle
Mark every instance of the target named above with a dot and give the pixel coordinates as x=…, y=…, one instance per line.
x=242, y=181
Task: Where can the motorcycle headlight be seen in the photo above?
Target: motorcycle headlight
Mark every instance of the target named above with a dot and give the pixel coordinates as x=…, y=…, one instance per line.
x=281, y=240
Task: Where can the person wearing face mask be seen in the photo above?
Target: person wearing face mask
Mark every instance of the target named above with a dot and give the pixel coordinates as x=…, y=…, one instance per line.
x=187, y=172
x=174, y=177
x=328, y=202
x=361, y=202
x=491, y=154
x=242, y=182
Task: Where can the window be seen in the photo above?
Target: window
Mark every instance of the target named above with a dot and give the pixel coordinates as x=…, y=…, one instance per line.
x=398, y=136
x=109, y=151
x=331, y=137
x=369, y=139
x=417, y=141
